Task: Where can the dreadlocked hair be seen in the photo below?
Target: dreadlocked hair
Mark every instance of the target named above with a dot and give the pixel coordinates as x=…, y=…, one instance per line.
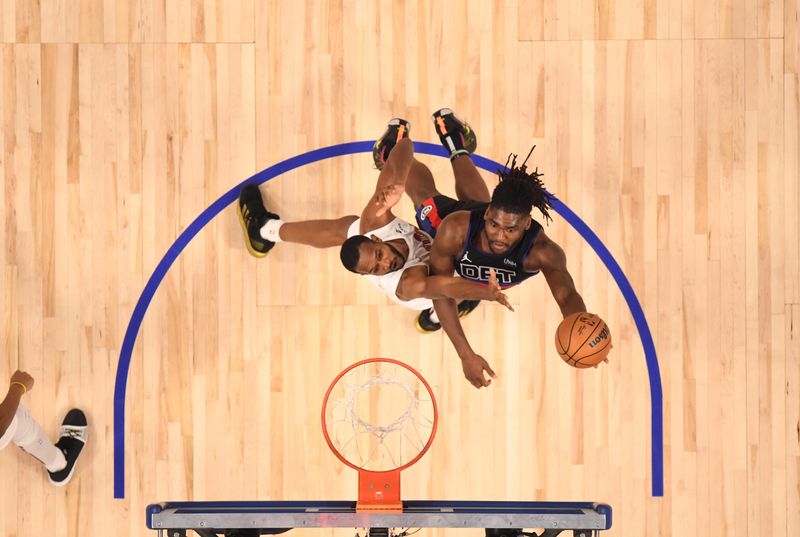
x=519, y=190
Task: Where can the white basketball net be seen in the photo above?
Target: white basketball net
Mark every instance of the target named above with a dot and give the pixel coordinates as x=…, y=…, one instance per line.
x=379, y=416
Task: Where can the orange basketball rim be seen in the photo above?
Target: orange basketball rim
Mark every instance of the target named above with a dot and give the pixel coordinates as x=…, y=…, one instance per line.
x=371, y=390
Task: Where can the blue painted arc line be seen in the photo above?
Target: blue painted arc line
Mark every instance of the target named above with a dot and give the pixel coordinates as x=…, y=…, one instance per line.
x=653, y=372
x=123, y=365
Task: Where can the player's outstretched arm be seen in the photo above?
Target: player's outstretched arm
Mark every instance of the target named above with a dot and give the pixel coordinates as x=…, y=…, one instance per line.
x=416, y=283
x=390, y=187
x=548, y=257
x=449, y=239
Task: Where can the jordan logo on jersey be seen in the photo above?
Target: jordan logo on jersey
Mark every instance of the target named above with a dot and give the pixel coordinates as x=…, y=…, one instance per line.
x=466, y=258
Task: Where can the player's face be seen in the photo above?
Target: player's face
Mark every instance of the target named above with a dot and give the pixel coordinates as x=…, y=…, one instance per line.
x=379, y=258
x=504, y=230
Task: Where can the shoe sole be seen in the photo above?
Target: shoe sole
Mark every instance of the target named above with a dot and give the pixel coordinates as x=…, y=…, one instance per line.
x=402, y=128
x=466, y=313
x=422, y=330
x=72, y=471
x=378, y=164
x=439, y=125
x=438, y=121
x=66, y=479
x=253, y=251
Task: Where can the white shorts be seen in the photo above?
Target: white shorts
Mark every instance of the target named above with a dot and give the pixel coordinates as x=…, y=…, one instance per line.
x=9, y=434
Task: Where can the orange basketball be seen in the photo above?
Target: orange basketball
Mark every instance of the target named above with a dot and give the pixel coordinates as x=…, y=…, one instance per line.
x=583, y=340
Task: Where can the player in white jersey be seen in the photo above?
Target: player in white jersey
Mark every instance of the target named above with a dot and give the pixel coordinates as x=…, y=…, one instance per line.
x=419, y=246
x=18, y=426
x=391, y=252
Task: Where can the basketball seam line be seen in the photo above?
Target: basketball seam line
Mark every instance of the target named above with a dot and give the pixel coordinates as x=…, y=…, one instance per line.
x=569, y=341
x=587, y=338
x=595, y=352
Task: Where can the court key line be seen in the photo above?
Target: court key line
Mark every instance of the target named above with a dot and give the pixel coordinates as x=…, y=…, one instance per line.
x=123, y=365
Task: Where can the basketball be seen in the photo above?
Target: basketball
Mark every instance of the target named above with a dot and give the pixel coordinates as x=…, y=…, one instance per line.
x=583, y=340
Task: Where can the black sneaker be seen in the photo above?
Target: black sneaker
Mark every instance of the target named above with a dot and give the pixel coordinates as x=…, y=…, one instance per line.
x=456, y=136
x=253, y=215
x=71, y=439
x=426, y=325
x=466, y=307
x=395, y=131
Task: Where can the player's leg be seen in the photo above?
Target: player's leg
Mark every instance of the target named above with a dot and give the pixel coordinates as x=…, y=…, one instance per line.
x=263, y=229
x=29, y=435
x=460, y=141
x=316, y=233
x=58, y=458
x=470, y=186
x=419, y=183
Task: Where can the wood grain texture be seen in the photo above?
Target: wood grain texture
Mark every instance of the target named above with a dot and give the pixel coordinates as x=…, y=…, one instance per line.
x=669, y=126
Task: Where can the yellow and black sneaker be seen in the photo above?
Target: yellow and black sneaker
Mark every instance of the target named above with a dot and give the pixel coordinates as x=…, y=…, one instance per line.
x=396, y=130
x=465, y=307
x=253, y=215
x=426, y=325
x=456, y=136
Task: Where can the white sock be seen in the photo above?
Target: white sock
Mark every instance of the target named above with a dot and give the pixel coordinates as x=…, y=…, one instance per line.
x=270, y=230
x=457, y=153
x=30, y=436
x=434, y=317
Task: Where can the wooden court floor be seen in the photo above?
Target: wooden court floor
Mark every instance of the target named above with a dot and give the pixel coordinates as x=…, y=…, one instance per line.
x=669, y=126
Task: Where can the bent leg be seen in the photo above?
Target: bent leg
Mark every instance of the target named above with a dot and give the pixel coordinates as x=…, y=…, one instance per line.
x=470, y=186
x=420, y=185
x=30, y=436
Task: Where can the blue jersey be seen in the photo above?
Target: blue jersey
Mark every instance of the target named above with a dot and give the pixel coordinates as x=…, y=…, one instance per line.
x=473, y=264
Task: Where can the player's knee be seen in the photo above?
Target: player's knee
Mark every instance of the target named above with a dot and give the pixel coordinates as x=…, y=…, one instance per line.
x=340, y=228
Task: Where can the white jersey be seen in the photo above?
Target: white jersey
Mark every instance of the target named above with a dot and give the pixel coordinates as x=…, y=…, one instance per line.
x=419, y=252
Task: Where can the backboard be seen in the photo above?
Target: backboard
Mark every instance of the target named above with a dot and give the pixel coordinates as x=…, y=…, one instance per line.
x=500, y=519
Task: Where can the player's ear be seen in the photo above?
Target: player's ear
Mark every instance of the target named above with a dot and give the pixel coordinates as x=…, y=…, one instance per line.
x=528, y=221
x=374, y=238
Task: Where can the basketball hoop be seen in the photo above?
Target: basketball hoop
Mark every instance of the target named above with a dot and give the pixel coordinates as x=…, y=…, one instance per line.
x=379, y=417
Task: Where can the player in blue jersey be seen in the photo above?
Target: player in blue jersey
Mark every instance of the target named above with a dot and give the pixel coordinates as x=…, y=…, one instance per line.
x=479, y=232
